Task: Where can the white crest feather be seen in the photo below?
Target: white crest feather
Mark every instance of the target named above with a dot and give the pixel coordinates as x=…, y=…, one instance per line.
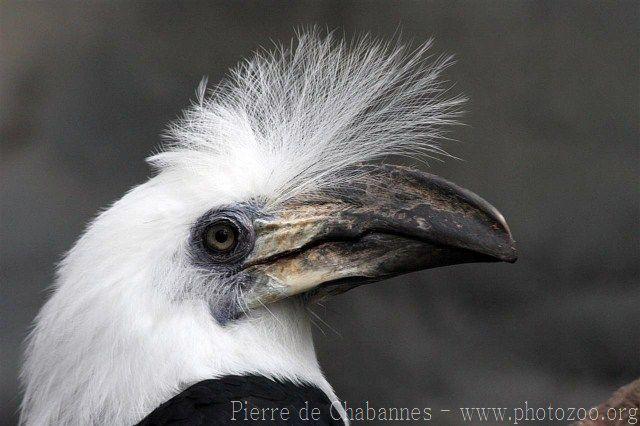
x=303, y=115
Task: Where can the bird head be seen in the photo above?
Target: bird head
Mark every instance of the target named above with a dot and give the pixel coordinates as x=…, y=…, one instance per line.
x=271, y=193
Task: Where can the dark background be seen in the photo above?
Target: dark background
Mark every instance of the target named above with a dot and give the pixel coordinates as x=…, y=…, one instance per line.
x=552, y=141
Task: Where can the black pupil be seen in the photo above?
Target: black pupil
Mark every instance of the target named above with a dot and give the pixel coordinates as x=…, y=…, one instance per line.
x=222, y=235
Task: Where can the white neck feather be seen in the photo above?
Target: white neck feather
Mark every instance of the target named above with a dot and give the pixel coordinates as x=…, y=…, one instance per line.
x=106, y=371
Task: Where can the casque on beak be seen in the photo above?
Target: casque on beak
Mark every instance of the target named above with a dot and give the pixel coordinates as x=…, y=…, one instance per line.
x=395, y=221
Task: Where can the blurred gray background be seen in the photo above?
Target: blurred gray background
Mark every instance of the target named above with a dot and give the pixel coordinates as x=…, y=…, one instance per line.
x=552, y=141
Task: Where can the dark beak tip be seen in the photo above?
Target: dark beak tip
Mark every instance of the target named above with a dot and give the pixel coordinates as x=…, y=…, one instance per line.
x=506, y=251
x=513, y=258
x=510, y=255
x=500, y=218
x=509, y=252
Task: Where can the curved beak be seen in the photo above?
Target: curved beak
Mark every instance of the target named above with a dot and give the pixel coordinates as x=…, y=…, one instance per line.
x=397, y=220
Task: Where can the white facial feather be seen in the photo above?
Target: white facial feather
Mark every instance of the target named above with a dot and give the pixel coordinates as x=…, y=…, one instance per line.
x=119, y=335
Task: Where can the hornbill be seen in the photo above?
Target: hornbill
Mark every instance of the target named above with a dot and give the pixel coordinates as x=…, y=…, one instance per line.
x=274, y=190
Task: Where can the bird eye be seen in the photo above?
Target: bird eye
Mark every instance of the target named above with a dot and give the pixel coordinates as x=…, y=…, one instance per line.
x=221, y=236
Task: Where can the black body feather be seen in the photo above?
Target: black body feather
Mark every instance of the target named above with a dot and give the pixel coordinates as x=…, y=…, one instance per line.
x=210, y=402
